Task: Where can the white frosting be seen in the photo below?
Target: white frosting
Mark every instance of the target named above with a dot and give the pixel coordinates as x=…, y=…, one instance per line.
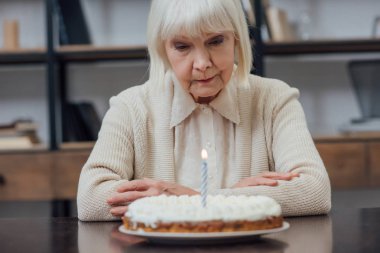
x=166, y=209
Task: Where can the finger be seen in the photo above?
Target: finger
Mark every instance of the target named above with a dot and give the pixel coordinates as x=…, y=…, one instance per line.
x=118, y=211
x=125, y=197
x=255, y=181
x=269, y=174
x=288, y=176
x=134, y=185
x=279, y=175
x=263, y=181
x=295, y=174
x=272, y=174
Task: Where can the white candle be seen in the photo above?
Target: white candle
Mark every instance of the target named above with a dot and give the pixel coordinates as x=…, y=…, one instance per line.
x=204, y=178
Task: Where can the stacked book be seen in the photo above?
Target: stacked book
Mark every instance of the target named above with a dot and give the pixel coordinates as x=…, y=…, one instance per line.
x=21, y=134
x=81, y=122
x=278, y=27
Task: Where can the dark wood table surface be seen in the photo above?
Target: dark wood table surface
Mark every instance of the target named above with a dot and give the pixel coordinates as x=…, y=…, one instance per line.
x=343, y=230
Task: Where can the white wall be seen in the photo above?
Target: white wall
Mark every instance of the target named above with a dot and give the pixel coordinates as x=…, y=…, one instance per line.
x=117, y=22
x=326, y=90
x=326, y=94
x=333, y=18
x=31, y=17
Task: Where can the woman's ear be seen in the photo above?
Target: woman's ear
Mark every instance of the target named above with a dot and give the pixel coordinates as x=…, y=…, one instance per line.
x=166, y=62
x=164, y=57
x=236, y=52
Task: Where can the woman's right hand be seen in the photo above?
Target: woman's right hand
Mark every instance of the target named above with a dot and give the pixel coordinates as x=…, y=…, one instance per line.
x=266, y=178
x=131, y=190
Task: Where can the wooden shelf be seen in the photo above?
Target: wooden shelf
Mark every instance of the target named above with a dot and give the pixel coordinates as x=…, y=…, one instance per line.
x=85, y=53
x=51, y=175
x=37, y=55
x=77, y=145
x=35, y=149
x=375, y=136
x=322, y=46
x=77, y=53
x=92, y=53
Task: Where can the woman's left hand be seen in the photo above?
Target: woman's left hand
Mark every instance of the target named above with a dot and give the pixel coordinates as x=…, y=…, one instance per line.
x=135, y=189
x=266, y=178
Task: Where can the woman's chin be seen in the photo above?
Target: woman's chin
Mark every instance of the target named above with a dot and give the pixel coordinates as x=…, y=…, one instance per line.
x=204, y=100
x=206, y=97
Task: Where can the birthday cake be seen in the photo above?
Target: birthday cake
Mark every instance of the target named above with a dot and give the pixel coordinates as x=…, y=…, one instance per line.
x=180, y=214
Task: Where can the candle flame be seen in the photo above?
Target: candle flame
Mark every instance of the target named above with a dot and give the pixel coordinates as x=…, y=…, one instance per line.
x=204, y=154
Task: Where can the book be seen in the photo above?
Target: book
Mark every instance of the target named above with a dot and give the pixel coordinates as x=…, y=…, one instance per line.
x=15, y=142
x=20, y=128
x=249, y=11
x=279, y=28
x=11, y=34
x=81, y=122
x=20, y=134
x=72, y=22
x=361, y=128
x=90, y=119
x=363, y=134
x=376, y=28
x=71, y=126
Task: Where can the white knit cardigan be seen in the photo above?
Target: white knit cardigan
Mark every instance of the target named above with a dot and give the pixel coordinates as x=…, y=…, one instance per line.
x=136, y=141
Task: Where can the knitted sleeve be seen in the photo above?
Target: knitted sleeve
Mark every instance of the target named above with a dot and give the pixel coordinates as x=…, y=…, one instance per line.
x=293, y=149
x=109, y=165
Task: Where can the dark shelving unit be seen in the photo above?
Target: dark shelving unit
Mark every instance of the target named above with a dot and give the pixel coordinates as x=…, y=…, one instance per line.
x=322, y=47
x=91, y=54
x=258, y=45
x=23, y=57
x=51, y=75
x=57, y=58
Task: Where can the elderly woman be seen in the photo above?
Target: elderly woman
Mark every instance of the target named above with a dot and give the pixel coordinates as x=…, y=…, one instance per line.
x=200, y=94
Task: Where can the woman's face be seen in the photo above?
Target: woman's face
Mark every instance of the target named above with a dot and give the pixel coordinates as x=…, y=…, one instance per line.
x=204, y=64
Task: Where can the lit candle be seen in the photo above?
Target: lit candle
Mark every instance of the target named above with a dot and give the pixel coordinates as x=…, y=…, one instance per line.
x=204, y=178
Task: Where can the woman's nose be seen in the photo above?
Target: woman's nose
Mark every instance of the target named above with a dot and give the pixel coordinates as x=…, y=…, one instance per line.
x=202, y=60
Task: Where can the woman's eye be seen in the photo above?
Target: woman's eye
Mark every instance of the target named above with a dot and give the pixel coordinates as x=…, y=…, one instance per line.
x=180, y=46
x=217, y=41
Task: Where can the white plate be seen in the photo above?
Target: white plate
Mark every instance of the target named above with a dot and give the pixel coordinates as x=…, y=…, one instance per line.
x=202, y=238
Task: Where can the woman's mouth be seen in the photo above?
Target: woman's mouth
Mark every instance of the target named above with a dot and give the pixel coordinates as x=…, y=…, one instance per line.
x=206, y=81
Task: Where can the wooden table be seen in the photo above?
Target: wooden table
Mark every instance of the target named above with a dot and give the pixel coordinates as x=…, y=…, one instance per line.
x=343, y=230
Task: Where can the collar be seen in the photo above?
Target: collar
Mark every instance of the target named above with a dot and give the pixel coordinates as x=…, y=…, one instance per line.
x=226, y=103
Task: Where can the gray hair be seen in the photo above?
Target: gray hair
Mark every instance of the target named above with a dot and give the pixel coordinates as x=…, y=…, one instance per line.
x=168, y=18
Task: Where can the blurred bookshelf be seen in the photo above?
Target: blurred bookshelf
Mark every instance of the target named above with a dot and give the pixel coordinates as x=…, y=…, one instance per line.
x=56, y=57
x=322, y=46
x=34, y=149
x=27, y=56
x=82, y=53
x=350, y=159
x=289, y=28
x=61, y=161
x=77, y=53
x=88, y=145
